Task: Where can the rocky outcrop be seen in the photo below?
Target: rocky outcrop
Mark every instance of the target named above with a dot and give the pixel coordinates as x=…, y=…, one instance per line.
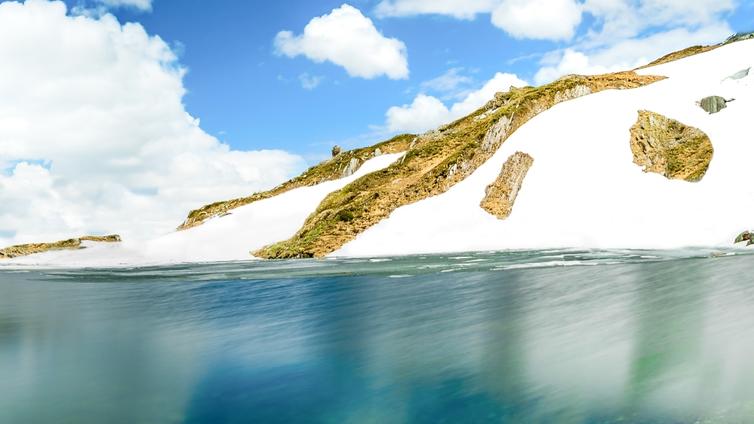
x=335, y=150
x=353, y=165
x=498, y=132
x=70, y=244
x=114, y=238
x=713, y=104
x=573, y=93
x=670, y=148
x=500, y=196
x=747, y=237
x=741, y=36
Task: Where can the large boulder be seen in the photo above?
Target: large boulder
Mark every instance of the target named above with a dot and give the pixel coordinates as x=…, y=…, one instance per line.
x=501, y=195
x=670, y=148
x=713, y=104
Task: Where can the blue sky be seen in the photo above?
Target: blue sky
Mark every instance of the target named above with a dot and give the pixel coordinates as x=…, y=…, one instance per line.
x=251, y=98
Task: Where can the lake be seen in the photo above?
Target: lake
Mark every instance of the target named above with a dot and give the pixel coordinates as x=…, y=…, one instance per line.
x=512, y=337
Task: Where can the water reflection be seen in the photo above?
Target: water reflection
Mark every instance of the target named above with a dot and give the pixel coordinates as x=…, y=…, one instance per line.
x=637, y=342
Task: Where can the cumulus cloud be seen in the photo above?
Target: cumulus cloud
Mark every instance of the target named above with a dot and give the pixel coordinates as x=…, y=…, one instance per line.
x=627, y=53
x=448, y=83
x=136, y=4
x=465, y=9
x=94, y=136
x=349, y=39
x=428, y=112
x=538, y=19
x=609, y=34
x=310, y=82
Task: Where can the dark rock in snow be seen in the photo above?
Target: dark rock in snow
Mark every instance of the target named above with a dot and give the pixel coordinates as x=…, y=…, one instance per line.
x=714, y=104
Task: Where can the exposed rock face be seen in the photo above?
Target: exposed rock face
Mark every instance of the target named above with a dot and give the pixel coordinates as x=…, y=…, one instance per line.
x=498, y=132
x=336, y=150
x=670, y=148
x=713, y=104
x=501, y=194
x=573, y=93
x=353, y=165
x=70, y=244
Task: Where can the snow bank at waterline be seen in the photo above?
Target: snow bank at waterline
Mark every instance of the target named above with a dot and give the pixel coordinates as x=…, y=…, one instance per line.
x=228, y=238
x=584, y=190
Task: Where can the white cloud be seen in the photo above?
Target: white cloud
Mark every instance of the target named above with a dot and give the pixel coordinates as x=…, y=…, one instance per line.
x=538, y=19
x=349, y=39
x=137, y=4
x=613, y=20
x=310, y=82
x=428, y=112
x=449, y=82
x=465, y=9
x=424, y=113
x=627, y=54
x=94, y=136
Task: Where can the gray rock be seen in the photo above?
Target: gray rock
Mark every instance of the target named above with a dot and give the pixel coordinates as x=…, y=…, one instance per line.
x=741, y=36
x=496, y=134
x=335, y=150
x=352, y=167
x=713, y=104
x=377, y=152
x=572, y=93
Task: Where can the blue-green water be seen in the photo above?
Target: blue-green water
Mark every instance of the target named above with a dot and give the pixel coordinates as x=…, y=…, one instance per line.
x=527, y=337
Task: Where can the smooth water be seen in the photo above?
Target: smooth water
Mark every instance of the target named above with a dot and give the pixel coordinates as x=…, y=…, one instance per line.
x=519, y=337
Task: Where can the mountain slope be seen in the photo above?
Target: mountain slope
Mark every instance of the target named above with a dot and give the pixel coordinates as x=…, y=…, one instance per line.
x=584, y=189
x=583, y=183
x=437, y=162
x=342, y=164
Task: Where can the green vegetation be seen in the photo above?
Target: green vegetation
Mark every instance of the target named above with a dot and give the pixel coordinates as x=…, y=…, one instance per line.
x=695, y=50
x=70, y=244
x=326, y=171
x=437, y=161
x=668, y=147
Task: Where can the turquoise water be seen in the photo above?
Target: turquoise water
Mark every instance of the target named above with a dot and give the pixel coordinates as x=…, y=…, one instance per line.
x=521, y=337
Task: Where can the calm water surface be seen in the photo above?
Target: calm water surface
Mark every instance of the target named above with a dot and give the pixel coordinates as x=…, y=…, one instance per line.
x=526, y=337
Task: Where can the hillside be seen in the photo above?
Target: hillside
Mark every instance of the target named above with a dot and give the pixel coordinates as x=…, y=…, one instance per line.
x=626, y=160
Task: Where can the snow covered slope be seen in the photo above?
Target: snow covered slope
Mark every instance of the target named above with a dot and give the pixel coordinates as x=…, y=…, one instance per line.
x=222, y=239
x=583, y=189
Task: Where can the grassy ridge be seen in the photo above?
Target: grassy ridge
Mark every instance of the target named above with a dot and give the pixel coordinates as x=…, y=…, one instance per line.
x=326, y=171
x=437, y=161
